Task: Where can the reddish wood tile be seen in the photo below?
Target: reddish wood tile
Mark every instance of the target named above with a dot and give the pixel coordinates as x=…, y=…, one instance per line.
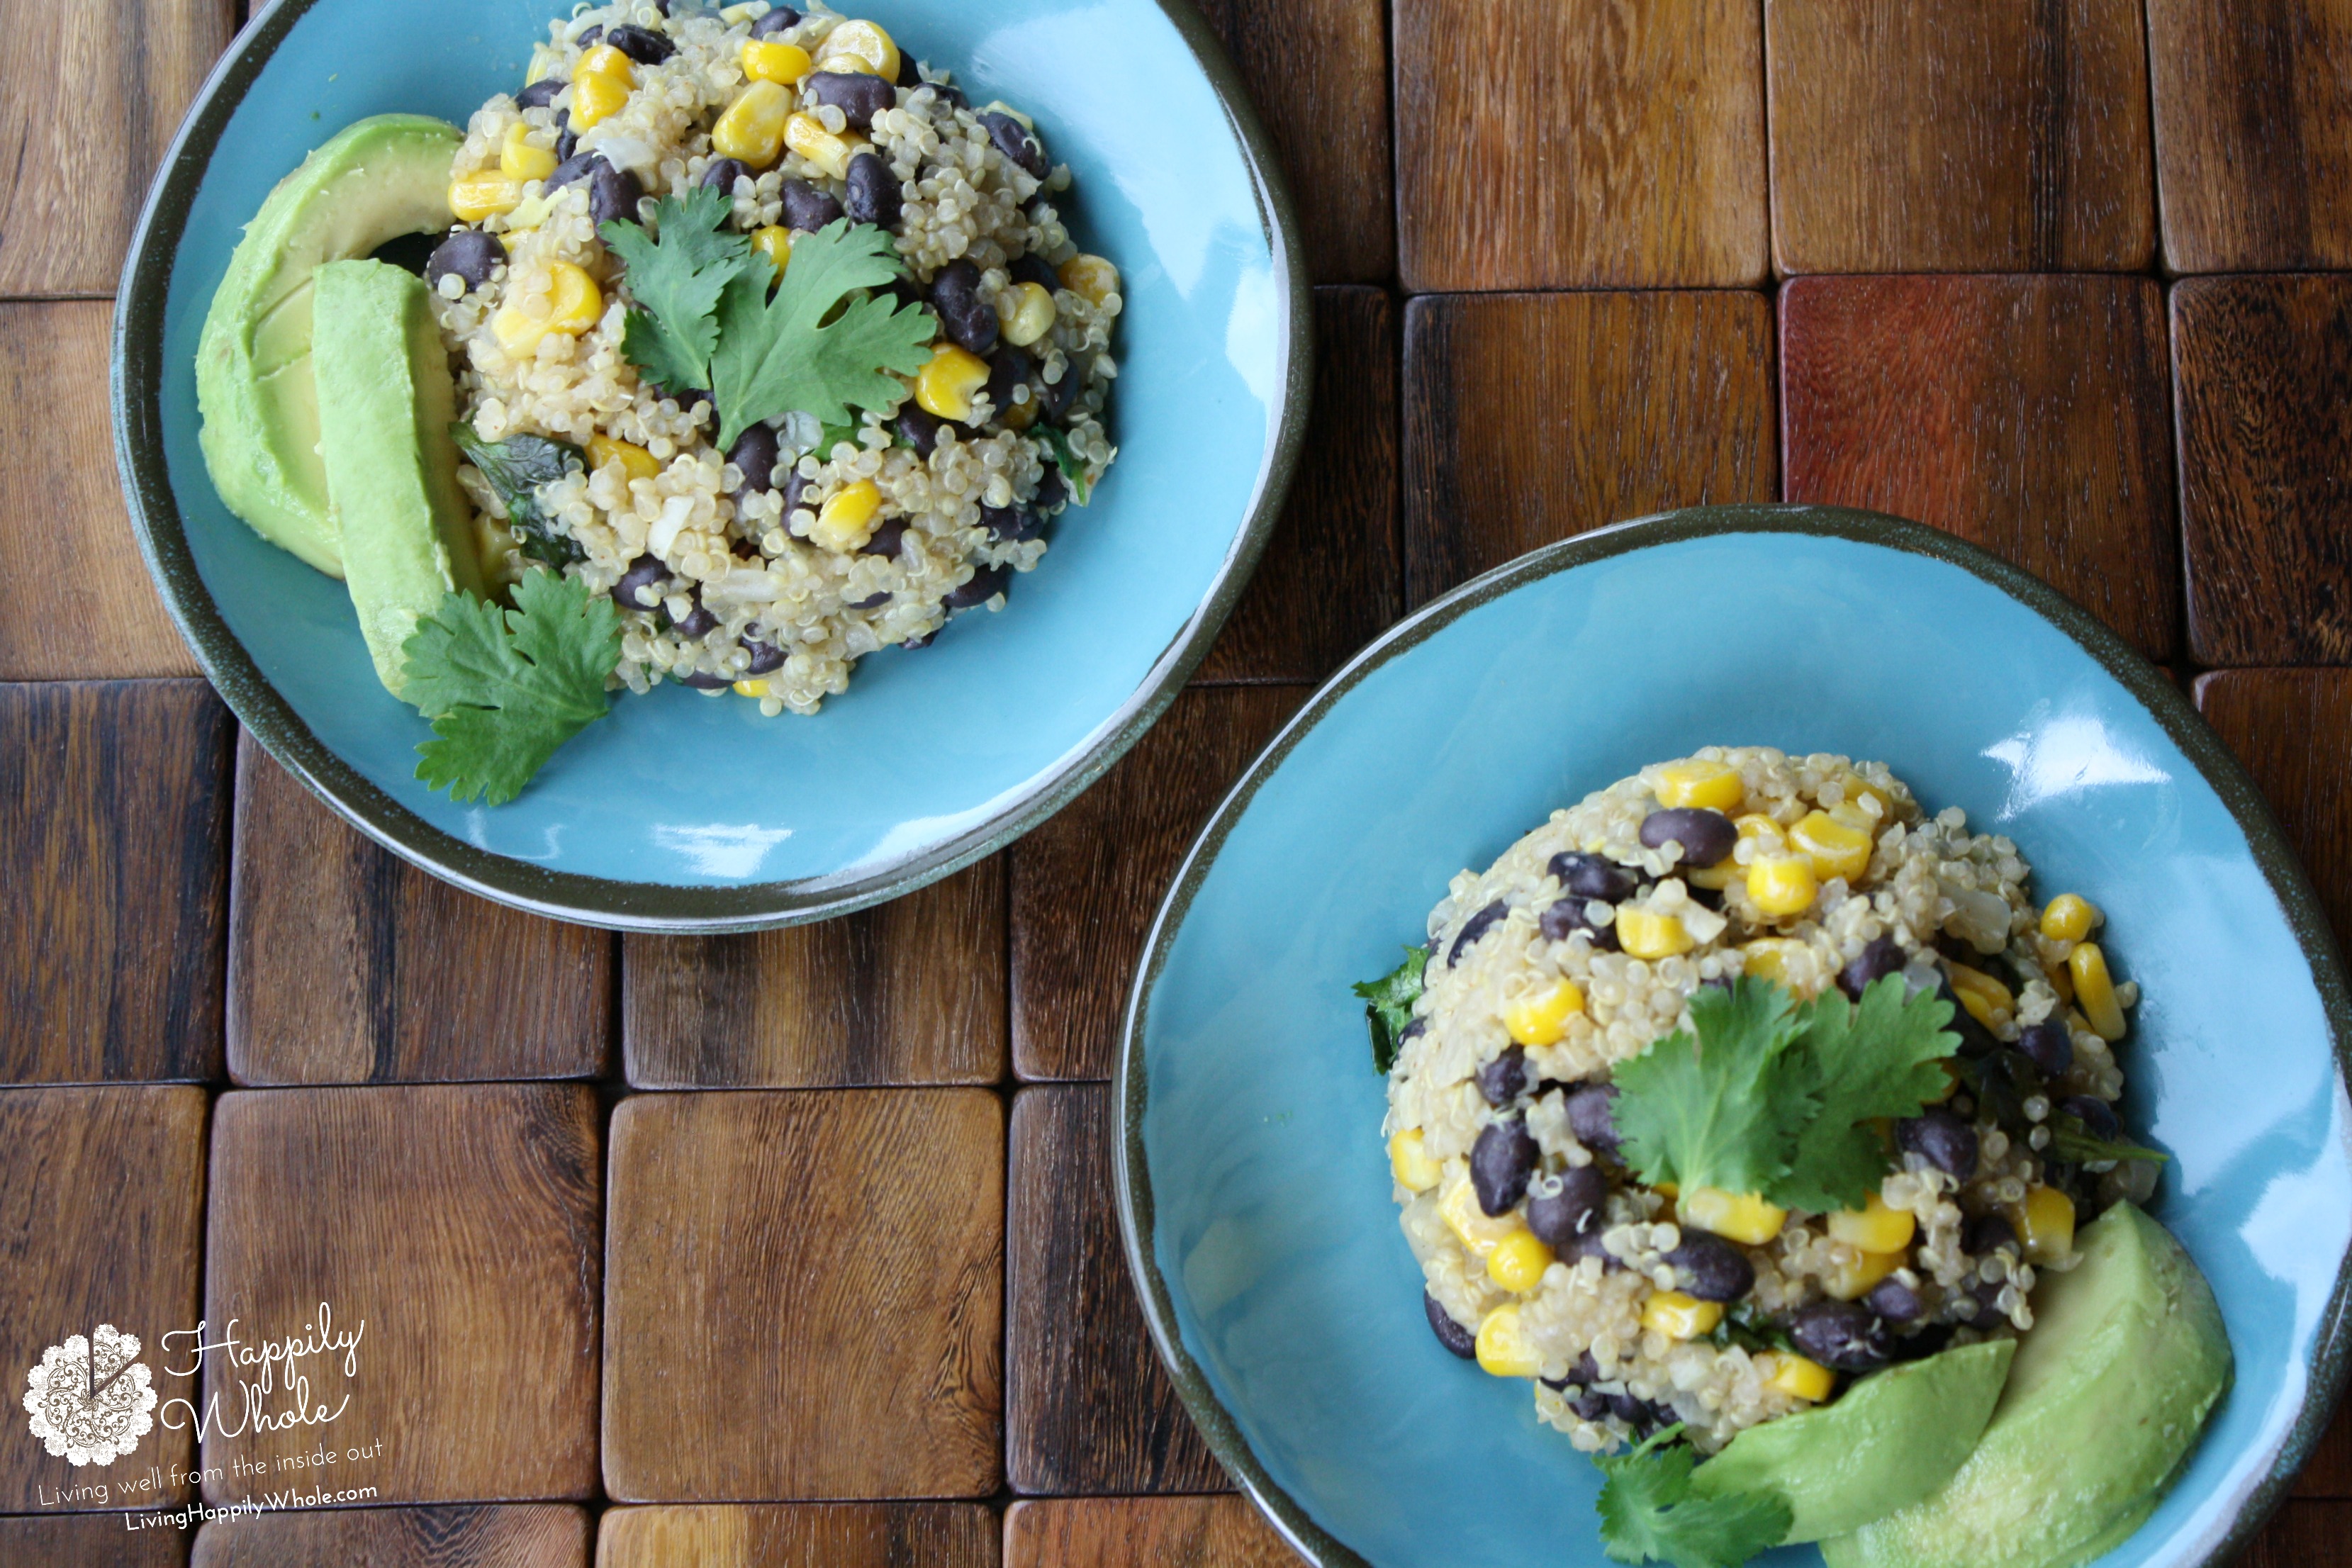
x=1142, y=1532
x=2329, y=1472
x=2262, y=377
x=87, y=1540
x=517, y=1535
x=2026, y=415
x=2303, y=1534
x=114, y=846
x=835, y=1535
x=2293, y=729
x=1609, y=144
x=1530, y=417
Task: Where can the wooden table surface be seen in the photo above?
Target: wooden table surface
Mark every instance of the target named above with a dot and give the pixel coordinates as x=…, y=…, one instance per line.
x=798, y=1247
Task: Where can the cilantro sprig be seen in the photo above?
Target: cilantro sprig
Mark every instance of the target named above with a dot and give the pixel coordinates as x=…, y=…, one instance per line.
x=1649, y=1514
x=676, y=275
x=515, y=468
x=1387, y=1004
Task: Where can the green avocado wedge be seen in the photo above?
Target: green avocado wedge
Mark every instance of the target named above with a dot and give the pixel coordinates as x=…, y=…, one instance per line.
x=386, y=403
x=2109, y=1390
x=379, y=179
x=1891, y=1439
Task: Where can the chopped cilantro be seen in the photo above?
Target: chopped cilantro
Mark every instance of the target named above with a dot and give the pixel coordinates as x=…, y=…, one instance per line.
x=1647, y=1512
x=676, y=281
x=516, y=468
x=1877, y=1059
x=1387, y=1004
x=2072, y=1140
x=1074, y=472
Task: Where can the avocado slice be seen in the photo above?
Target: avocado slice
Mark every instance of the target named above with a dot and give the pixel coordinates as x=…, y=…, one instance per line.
x=380, y=178
x=1893, y=1438
x=2110, y=1388
x=387, y=401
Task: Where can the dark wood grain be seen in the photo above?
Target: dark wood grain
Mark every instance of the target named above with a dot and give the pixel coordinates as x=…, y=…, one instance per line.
x=806, y=1295
x=87, y=1540
x=515, y=1535
x=1087, y=884
x=1610, y=143
x=101, y=1205
x=349, y=965
x=459, y=1224
x=835, y=1535
x=1916, y=137
x=114, y=850
x=1530, y=417
x=1087, y=1408
x=2329, y=1472
x=907, y=992
x=1331, y=578
x=2303, y=1534
x=2262, y=381
x=2251, y=158
x=1142, y=1532
x=2293, y=729
x=2026, y=415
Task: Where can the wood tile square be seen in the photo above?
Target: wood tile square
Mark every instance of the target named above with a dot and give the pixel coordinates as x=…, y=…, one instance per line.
x=1331, y=578
x=907, y=992
x=806, y=1295
x=2293, y=729
x=515, y=1535
x=835, y=1535
x=1603, y=144
x=1142, y=1532
x=1087, y=1406
x=87, y=1540
x=99, y=615
x=1530, y=417
x=101, y=1205
x=1916, y=137
x=2302, y=1534
x=2263, y=372
x=459, y=1225
x=349, y=965
x=1087, y=884
x=2026, y=415
x=2253, y=163
x=1316, y=71
x=114, y=847
x=2329, y=1472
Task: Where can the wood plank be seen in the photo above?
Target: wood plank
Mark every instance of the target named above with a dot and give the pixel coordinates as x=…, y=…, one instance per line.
x=1912, y=136
x=806, y=1295
x=1609, y=144
x=87, y=1540
x=2302, y=1534
x=101, y=1199
x=1531, y=417
x=2329, y=1472
x=2292, y=728
x=459, y=1225
x=99, y=614
x=114, y=846
x=907, y=992
x=2254, y=169
x=1332, y=577
x=1142, y=1532
x=1316, y=71
x=837, y=1535
x=2026, y=415
x=519, y=1535
x=349, y=965
x=1087, y=884
x=2260, y=371
x=73, y=197
x=1087, y=1406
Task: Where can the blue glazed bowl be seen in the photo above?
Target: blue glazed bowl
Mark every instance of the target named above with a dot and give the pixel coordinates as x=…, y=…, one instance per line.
x=685, y=813
x=1252, y=1185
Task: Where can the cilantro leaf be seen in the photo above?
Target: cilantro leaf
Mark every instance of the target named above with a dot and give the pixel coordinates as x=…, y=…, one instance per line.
x=676, y=280
x=1648, y=1514
x=2072, y=1140
x=504, y=688
x=777, y=355
x=1074, y=472
x=1878, y=1058
x=1389, y=1005
x=516, y=468
x=1722, y=1110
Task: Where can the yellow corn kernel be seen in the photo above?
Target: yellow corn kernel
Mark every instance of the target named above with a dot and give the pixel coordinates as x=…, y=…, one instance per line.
x=753, y=128
x=1996, y=995
x=846, y=519
x=945, y=386
x=1744, y=1217
x=1769, y=957
x=634, y=460
x=1852, y=1282
x=1875, y=1228
x=1858, y=788
x=1755, y=827
x=2069, y=918
x=1835, y=848
x=1716, y=787
x=1414, y=1169
x=1518, y=1261
x=1781, y=884
x=1645, y=933
x=1503, y=1349
x=751, y=689
x=1540, y=1017
x=775, y=243
x=767, y=59
x=864, y=41
x=1680, y=1317
x=1480, y=1233
x=1669, y=1191
x=2045, y=1223
x=606, y=61
x=1799, y=1378
x=806, y=134
x=2095, y=991
x=518, y=160
x=477, y=196
x=597, y=98
x=1951, y=1084
x=2061, y=981
x=1090, y=277
x=1031, y=316
x=575, y=303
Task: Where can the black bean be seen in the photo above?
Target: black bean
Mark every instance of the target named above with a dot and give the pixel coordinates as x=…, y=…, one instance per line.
x=1639, y=1415
x=886, y=540
x=765, y=657
x=541, y=93
x=1941, y=1138
x=1894, y=1301
x=1501, y=1160
x=871, y=601
x=2048, y=1046
x=874, y=195
x=1929, y=1340
x=588, y=39
x=1988, y=1234
x=698, y=621
x=967, y=317
x=642, y=45
x=1565, y=917
x=1011, y=522
x=1593, y=1115
x=1845, y=1336
x=1583, y=1373
x=1056, y=398
x=921, y=640
x=723, y=173
x=949, y=94
x=979, y=588
x=577, y=167
x=1473, y=928
x=688, y=399
x=796, y=486
x=1450, y=1334
x=917, y=429
x=1588, y=1244
x=1016, y=141
x=1984, y=1295
x=1505, y=1078
x=1562, y=1209
x=1707, y=837
x=1009, y=370
x=754, y=455
x=1052, y=494
x=701, y=681
x=1715, y=1269
x=468, y=254
x=1591, y=1404
x=614, y=193
x=783, y=19
x=567, y=140
x=1880, y=957
x=2098, y=1117
x=1033, y=269
x=908, y=75
x=859, y=97
x=637, y=589
x=806, y=208
x=1594, y=877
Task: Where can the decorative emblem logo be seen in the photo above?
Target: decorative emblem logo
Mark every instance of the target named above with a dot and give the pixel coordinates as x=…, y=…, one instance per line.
x=91, y=1399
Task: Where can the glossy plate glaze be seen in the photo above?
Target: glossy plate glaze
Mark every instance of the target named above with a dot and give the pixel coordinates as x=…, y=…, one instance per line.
x=1252, y=1179
x=680, y=812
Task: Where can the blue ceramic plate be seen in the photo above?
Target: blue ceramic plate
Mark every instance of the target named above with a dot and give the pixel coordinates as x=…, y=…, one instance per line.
x=1252, y=1183
x=685, y=813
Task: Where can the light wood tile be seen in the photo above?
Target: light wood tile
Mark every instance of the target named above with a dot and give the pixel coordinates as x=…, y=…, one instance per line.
x=515, y=1535
x=835, y=1535
x=1142, y=1532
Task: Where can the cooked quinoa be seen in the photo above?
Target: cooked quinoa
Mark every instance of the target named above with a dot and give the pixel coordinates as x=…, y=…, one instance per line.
x=1619, y=1337
x=772, y=567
